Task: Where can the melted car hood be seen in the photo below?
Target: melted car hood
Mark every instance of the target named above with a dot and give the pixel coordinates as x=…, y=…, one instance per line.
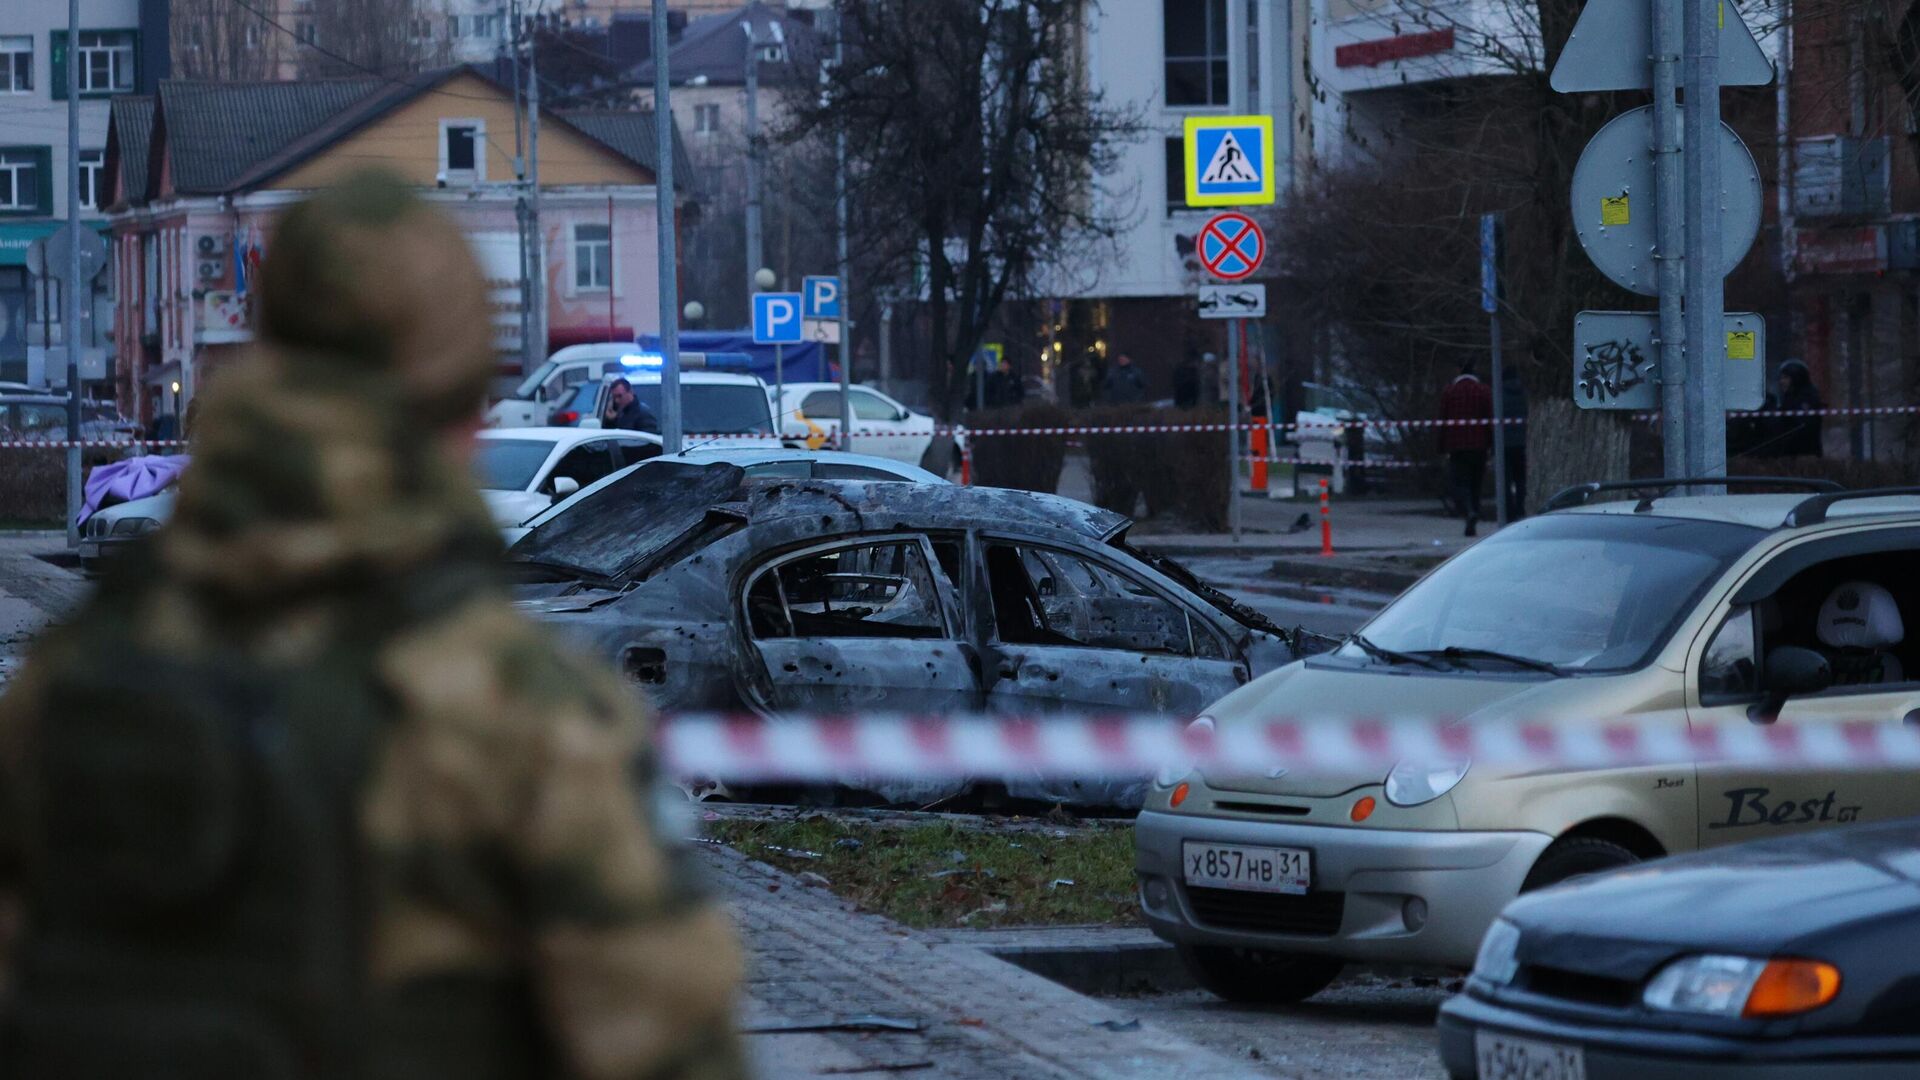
x=1755, y=899
x=607, y=533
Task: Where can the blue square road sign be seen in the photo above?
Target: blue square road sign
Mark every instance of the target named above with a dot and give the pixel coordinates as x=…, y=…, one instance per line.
x=776, y=318
x=821, y=297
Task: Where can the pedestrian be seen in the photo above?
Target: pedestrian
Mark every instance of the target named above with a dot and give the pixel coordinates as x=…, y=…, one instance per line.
x=1797, y=436
x=1083, y=382
x=1513, y=407
x=624, y=411
x=1186, y=381
x=1004, y=390
x=297, y=793
x=1123, y=384
x=1466, y=398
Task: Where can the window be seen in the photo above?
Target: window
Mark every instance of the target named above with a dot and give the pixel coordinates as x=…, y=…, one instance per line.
x=592, y=257
x=462, y=159
x=1176, y=173
x=23, y=178
x=303, y=32
x=1047, y=597
x=93, y=174
x=16, y=65
x=870, y=590
x=1731, y=667
x=871, y=406
x=830, y=470
x=1196, y=43
x=706, y=119
x=584, y=464
x=106, y=61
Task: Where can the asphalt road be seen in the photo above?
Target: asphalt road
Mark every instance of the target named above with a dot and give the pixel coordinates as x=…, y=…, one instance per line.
x=1333, y=611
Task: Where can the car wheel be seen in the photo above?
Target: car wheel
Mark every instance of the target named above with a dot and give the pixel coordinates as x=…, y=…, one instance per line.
x=1572, y=857
x=1256, y=976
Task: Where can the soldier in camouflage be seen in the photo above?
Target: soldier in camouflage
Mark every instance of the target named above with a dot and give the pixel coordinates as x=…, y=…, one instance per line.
x=297, y=794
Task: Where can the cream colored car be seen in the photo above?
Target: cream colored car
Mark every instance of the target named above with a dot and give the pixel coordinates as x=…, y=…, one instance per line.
x=1780, y=609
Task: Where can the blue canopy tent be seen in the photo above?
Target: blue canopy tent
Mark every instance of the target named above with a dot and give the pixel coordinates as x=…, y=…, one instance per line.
x=805, y=362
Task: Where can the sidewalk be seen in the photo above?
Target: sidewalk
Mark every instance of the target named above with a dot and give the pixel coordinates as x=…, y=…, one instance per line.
x=834, y=991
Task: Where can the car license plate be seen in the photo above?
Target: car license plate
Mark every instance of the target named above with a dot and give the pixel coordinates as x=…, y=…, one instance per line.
x=1257, y=869
x=1503, y=1057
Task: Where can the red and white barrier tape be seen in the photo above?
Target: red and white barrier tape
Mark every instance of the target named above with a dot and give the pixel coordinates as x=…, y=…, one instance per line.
x=824, y=748
x=88, y=444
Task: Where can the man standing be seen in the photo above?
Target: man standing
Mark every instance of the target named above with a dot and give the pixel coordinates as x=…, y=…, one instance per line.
x=1123, y=384
x=624, y=411
x=298, y=793
x=1467, y=406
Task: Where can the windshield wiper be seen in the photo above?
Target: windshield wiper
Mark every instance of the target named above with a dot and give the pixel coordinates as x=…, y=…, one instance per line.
x=1391, y=656
x=1457, y=653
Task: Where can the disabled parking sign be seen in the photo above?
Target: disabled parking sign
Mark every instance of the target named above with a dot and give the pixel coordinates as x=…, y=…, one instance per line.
x=1229, y=160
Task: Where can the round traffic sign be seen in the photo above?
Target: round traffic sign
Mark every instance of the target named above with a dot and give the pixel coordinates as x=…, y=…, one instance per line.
x=1231, y=246
x=1613, y=209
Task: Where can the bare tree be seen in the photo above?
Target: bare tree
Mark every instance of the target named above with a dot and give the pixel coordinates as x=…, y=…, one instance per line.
x=973, y=145
x=220, y=40
x=393, y=38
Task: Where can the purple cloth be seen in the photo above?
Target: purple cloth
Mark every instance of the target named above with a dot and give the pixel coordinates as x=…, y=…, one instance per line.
x=124, y=481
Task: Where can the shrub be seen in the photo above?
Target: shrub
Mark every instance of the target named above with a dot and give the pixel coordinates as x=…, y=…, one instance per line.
x=1026, y=462
x=1180, y=474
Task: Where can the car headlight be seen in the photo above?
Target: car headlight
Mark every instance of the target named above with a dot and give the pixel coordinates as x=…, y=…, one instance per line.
x=134, y=526
x=1742, y=986
x=1414, y=782
x=1202, y=727
x=1498, y=958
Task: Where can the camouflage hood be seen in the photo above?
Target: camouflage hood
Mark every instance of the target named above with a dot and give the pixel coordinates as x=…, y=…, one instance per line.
x=323, y=457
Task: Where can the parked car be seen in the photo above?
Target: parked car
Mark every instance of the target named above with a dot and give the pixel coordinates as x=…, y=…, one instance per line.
x=882, y=426
x=717, y=592
x=1678, y=610
x=1789, y=957
x=522, y=471
x=719, y=408
x=106, y=530
x=762, y=462
x=549, y=387
x=33, y=416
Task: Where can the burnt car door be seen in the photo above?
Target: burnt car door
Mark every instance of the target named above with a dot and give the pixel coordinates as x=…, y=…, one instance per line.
x=866, y=624
x=1073, y=629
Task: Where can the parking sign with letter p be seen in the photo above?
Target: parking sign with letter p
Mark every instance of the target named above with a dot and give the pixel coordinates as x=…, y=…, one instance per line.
x=776, y=318
x=821, y=297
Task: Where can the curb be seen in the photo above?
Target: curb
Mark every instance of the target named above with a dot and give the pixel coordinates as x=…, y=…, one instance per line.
x=1371, y=576
x=1099, y=971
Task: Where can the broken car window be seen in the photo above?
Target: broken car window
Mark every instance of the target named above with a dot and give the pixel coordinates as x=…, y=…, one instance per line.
x=865, y=590
x=1047, y=597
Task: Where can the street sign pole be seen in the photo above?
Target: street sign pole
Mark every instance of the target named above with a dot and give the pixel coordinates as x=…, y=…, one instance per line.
x=1706, y=294
x=1236, y=337
x=76, y=280
x=670, y=427
x=1490, y=303
x=1670, y=246
x=780, y=390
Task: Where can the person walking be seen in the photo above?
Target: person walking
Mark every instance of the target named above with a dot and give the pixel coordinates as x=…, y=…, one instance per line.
x=1466, y=398
x=1123, y=384
x=624, y=411
x=1186, y=381
x=297, y=793
x=1797, y=436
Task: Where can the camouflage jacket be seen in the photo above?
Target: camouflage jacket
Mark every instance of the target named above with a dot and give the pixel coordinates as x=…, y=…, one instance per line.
x=326, y=549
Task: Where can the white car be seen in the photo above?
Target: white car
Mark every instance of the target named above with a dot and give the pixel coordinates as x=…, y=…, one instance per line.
x=762, y=462
x=898, y=432
x=553, y=384
x=523, y=471
x=718, y=408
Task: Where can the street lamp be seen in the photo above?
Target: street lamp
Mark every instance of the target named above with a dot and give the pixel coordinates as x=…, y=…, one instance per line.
x=694, y=311
x=765, y=279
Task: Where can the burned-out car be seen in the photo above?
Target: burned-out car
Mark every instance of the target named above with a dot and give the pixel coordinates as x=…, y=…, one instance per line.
x=715, y=592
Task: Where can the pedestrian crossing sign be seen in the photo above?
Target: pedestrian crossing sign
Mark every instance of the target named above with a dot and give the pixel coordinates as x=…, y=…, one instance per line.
x=1229, y=160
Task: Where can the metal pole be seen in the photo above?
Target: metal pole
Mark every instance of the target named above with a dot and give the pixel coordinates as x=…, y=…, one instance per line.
x=70, y=298
x=537, y=253
x=846, y=276
x=663, y=202
x=1706, y=297
x=529, y=357
x=1490, y=240
x=780, y=390
x=754, y=261
x=886, y=346
x=1236, y=333
x=1669, y=245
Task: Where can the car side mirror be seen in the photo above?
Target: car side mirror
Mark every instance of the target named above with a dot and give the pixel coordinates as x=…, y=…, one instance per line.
x=1790, y=672
x=564, y=486
x=901, y=414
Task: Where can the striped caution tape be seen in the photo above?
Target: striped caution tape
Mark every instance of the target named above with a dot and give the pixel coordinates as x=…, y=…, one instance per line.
x=825, y=748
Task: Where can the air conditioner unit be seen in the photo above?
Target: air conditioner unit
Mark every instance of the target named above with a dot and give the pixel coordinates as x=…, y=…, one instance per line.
x=210, y=269
x=207, y=245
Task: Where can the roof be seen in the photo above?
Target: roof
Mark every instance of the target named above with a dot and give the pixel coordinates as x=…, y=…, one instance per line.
x=130, y=127
x=696, y=375
x=631, y=134
x=715, y=47
x=215, y=133
x=566, y=436
x=1755, y=511
x=887, y=505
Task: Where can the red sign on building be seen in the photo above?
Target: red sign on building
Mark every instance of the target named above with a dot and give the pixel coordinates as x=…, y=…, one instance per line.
x=1387, y=50
x=1840, y=251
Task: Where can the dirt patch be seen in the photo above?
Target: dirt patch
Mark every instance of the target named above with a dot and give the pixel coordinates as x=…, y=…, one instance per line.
x=947, y=874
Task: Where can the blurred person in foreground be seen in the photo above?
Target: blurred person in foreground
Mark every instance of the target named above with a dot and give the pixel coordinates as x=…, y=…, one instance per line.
x=297, y=794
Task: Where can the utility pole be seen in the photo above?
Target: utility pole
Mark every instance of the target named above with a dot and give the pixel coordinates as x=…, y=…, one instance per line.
x=845, y=267
x=1706, y=293
x=670, y=431
x=1670, y=247
x=75, y=280
x=1490, y=248
x=537, y=256
x=754, y=259
x=530, y=358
